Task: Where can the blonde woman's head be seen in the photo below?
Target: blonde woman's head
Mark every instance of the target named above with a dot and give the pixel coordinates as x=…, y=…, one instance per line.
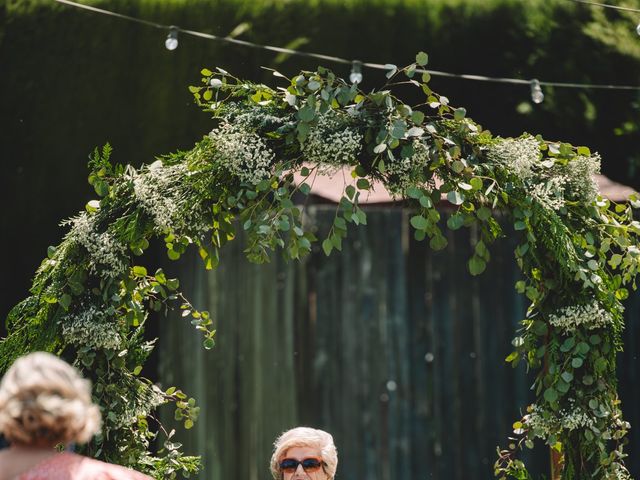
x=305, y=439
x=44, y=401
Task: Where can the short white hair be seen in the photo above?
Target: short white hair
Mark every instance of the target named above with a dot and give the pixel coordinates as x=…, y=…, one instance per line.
x=45, y=401
x=305, y=437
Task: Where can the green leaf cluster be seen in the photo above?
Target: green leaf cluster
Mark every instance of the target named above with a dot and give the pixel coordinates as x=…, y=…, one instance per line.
x=430, y=154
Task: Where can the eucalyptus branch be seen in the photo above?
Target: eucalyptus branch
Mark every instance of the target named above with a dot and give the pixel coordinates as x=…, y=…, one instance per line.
x=576, y=251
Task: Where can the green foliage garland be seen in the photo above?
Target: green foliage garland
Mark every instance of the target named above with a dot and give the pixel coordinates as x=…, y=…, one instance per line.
x=89, y=300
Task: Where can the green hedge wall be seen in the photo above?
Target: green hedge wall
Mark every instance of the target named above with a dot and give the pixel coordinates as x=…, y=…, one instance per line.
x=71, y=80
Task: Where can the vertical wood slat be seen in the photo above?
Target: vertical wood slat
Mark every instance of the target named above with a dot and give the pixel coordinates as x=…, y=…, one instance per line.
x=393, y=348
x=247, y=380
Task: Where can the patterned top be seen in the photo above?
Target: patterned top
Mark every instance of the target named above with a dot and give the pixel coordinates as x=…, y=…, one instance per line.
x=70, y=466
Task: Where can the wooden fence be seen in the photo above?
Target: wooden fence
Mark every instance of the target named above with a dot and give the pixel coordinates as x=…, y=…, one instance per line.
x=394, y=349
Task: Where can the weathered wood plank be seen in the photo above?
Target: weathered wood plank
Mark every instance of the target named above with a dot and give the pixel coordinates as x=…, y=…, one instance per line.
x=393, y=348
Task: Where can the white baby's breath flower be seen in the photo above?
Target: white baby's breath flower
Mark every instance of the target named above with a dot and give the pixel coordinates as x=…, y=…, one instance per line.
x=549, y=182
x=575, y=418
x=256, y=118
x=163, y=192
x=589, y=316
x=545, y=423
x=581, y=183
x=91, y=327
x=104, y=249
x=409, y=171
x=140, y=403
x=332, y=143
x=542, y=424
x=242, y=152
x=550, y=192
x=520, y=155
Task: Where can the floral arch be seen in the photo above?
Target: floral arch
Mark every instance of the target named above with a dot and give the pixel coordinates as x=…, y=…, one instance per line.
x=578, y=252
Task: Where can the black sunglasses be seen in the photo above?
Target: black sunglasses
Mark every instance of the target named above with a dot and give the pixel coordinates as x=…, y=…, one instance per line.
x=309, y=465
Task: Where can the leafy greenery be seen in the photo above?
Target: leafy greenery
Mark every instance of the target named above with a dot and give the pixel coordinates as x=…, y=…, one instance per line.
x=578, y=252
x=138, y=104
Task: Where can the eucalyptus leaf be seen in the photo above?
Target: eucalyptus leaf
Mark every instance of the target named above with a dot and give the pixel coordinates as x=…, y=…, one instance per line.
x=414, y=192
x=455, y=221
x=567, y=377
x=419, y=222
x=65, y=301
x=455, y=197
x=422, y=59
x=550, y=395
x=476, y=265
x=363, y=184
x=426, y=202
x=306, y=114
x=476, y=183
x=578, y=251
x=438, y=242
x=398, y=129
x=391, y=69
x=483, y=213
x=459, y=113
x=327, y=246
x=417, y=117
x=380, y=148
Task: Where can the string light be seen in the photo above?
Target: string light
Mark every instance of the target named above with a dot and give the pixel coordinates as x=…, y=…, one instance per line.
x=344, y=61
x=537, y=96
x=614, y=7
x=606, y=5
x=356, y=72
x=172, y=39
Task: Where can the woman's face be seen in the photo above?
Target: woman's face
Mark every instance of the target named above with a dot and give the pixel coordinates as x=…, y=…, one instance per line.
x=300, y=454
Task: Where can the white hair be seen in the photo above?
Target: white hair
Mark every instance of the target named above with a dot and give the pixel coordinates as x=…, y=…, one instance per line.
x=305, y=437
x=44, y=401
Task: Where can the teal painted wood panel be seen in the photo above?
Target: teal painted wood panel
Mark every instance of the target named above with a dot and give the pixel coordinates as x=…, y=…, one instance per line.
x=393, y=348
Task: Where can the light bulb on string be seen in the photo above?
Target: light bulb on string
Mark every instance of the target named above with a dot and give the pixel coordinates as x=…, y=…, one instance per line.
x=356, y=72
x=172, y=39
x=536, y=91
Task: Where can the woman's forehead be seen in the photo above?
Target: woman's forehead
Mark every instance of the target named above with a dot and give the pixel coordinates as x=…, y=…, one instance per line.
x=300, y=453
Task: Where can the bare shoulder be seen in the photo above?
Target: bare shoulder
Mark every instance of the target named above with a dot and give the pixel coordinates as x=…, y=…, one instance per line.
x=94, y=469
x=5, y=467
x=13, y=463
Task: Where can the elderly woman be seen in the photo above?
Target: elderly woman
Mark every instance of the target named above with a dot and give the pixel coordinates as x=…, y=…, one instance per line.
x=44, y=402
x=304, y=454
